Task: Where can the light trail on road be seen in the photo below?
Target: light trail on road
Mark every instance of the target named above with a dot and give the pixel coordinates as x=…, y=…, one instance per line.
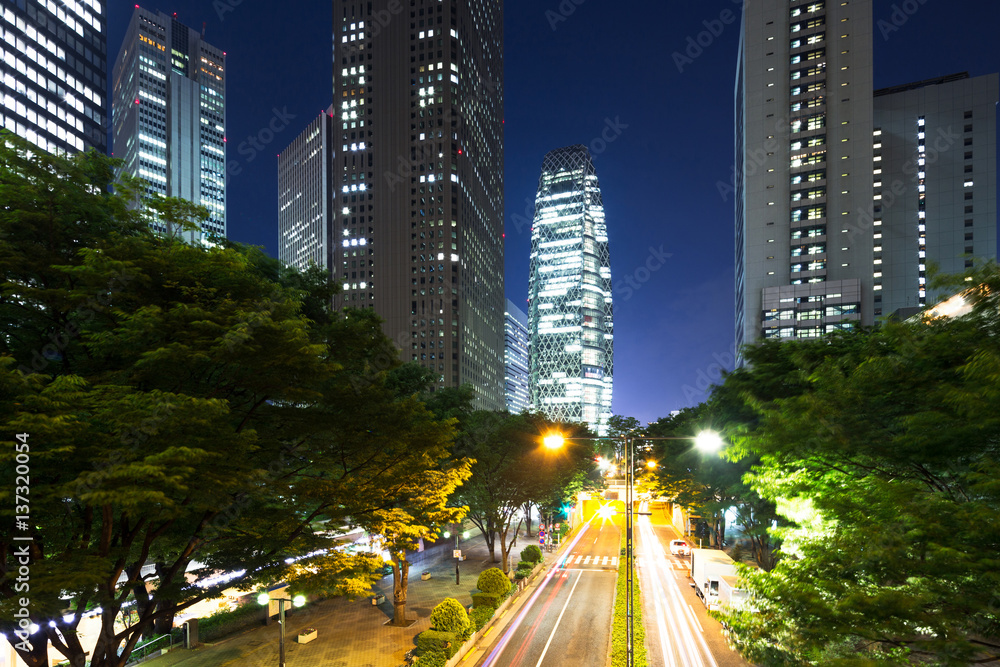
x=516, y=623
x=680, y=634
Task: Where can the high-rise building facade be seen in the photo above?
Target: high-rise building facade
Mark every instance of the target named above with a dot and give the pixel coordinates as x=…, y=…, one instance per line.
x=830, y=179
x=803, y=168
x=570, y=324
x=934, y=185
x=169, y=112
x=418, y=180
x=305, y=197
x=54, y=83
x=516, y=358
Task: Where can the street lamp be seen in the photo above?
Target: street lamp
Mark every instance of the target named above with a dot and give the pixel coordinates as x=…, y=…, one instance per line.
x=264, y=599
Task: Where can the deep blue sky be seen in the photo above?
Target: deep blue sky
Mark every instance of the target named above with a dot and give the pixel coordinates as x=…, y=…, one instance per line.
x=606, y=63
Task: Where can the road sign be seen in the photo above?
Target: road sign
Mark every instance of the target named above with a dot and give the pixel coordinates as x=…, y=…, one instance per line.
x=457, y=553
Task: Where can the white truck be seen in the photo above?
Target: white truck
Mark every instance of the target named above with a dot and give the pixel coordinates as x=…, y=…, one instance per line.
x=714, y=575
x=731, y=596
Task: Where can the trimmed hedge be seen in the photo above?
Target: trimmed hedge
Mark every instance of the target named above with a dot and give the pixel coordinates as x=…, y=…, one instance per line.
x=430, y=641
x=227, y=622
x=433, y=659
x=493, y=581
x=485, y=600
x=481, y=616
x=450, y=616
x=619, y=631
x=531, y=553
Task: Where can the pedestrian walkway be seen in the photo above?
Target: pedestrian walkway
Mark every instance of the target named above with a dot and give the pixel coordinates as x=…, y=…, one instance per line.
x=355, y=634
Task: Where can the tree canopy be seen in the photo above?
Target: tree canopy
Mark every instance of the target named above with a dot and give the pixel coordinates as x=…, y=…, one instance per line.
x=880, y=448
x=184, y=403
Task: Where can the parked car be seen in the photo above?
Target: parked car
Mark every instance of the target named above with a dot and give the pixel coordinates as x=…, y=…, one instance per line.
x=679, y=548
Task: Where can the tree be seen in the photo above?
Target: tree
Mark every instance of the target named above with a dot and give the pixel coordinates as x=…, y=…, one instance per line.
x=512, y=470
x=880, y=447
x=182, y=407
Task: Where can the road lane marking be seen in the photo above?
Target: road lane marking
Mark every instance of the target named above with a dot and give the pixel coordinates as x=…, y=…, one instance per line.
x=695, y=618
x=556, y=627
x=605, y=561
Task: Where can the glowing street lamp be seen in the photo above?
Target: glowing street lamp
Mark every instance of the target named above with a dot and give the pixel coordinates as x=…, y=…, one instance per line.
x=708, y=441
x=264, y=599
x=554, y=441
x=651, y=465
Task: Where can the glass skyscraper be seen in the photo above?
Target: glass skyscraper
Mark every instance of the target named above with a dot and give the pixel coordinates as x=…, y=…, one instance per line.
x=55, y=73
x=516, y=358
x=169, y=113
x=570, y=311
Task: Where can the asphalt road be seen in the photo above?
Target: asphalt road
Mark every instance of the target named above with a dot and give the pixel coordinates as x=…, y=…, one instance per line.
x=567, y=621
x=679, y=631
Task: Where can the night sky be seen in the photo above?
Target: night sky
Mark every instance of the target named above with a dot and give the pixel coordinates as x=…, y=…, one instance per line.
x=583, y=71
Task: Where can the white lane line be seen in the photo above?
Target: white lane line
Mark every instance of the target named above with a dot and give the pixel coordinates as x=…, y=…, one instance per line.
x=556, y=627
x=694, y=618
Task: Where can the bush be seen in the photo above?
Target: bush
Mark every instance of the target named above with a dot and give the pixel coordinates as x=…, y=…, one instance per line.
x=481, y=616
x=433, y=659
x=431, y=640
x=227, y=622
x=485, y=600
x=493, y=581
x=450, y=616
x=531, y=553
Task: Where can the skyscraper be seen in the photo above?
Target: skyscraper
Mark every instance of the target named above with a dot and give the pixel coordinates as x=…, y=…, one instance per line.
x=830, y=182
x=516, y=358
x=169, y=107
x=934, y=185
x=570, y=311
x=803, y=168
x=55, y=73
x=305, y=197
x=418, y=180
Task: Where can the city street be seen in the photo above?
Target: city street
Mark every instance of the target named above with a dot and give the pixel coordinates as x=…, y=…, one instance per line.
x=679, y=631
x=567, y=621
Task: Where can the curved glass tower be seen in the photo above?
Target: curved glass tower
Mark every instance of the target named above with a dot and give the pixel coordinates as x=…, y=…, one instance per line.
x=569, y=292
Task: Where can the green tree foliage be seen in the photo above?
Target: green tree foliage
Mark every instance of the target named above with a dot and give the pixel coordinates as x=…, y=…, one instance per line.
x=184, y=403
x=512, y=469
x=493, y=581
x=881, y=449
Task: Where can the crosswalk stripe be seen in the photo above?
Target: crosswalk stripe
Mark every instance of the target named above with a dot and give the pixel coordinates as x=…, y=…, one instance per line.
x=586, y=560
x=614, y=560
x=578, y=559
x=605, y=561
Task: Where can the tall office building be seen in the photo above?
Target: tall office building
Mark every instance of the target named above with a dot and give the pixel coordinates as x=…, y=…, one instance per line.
x=819, y=155
x=516, y=358
x=934, y=185
x=54, y=80
x=169, y=108
x=570, y=321
x=803, y=168
x=418, y=180
x=305, y=197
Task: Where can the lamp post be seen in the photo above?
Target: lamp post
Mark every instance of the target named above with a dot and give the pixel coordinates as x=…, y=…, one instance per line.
x=265, y=599
x=706, y=441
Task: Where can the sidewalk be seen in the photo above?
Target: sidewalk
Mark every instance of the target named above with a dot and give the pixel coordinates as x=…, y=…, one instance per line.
x=354, y=634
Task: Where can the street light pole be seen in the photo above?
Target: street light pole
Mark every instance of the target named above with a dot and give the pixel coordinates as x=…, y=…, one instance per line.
x=265, y=599
x=629, y=553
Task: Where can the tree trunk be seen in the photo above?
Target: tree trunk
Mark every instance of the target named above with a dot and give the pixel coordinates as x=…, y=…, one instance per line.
x=490, y=536
x=527, y=519
x=400, y=579
x=39, y=653
x=506, y=546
